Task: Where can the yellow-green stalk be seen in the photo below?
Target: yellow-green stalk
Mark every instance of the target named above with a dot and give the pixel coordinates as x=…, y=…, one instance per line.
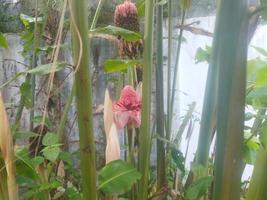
x=145, y=136
x=81, y=52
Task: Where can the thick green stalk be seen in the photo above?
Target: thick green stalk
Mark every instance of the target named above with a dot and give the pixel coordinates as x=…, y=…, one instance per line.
x=258, y=184
x=60, y=130
x=231, y=56
x=79, y=28
x=145, y=136
x=161, y=169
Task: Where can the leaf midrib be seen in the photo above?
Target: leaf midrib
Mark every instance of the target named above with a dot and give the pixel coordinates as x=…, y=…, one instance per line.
x=111, y=179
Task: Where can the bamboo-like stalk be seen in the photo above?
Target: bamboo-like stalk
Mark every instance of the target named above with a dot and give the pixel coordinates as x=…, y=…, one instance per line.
x=161, y=169
x=230, y=57
x=169, y=123
x=258, y=184
x=60, y=130
x=7, y=150
x=145, y=136
x=79, y=28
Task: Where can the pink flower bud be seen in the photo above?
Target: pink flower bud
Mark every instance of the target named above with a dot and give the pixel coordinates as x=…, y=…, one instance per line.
x=127, y=111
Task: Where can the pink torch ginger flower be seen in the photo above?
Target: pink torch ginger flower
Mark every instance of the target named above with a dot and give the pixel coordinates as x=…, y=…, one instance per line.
x=127, y=111
x=126, y=16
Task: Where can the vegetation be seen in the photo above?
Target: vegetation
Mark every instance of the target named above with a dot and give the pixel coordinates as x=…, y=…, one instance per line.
x=39, y=162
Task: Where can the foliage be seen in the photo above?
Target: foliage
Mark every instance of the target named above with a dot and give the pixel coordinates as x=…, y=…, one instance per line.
x=117, y=65
x=117, y=177
x=53, y=173
x=3, y=41
x=198, y=188
x=117, y=31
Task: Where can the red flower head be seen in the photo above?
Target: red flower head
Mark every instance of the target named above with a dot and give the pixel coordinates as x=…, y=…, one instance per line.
x=128, y=109
x=126, y=16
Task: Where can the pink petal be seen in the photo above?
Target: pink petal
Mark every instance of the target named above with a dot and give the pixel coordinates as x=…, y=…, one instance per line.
x=121, y=118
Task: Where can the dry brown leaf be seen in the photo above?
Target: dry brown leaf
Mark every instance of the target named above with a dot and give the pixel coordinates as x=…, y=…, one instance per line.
x=7, y=150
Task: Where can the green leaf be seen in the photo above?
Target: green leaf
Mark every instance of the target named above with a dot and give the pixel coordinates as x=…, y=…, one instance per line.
x=3, y=41
x=261, y=77
x=118, y=65
x=37, y=160
x=263, y=134
x=198, y=188
x=250, y=149
x=49, y=185
x=24, y=164
x=26, y=94
x=39, y=120
x=198, y=170
x=252, y=69
x=260, y=50
x=51, y=153
x=47, y=68
x=73, y=193
x=24, y=134
x=39, y=70
x=128, y=35
x=178, y=158
x=140, y=4
x=50, y=139
x=28, y=20
x=203, y=55
x=117, y=177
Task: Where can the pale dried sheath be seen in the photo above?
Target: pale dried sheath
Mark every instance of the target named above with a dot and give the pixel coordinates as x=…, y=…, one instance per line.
x=7, y=150
x=113, y=146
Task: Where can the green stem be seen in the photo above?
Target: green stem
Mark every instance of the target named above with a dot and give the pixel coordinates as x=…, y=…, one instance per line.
x=168, y=128
x=79, y=27
x=97, y=13
x=61, y=127
x=145, y=135
x=161, y=169
x=176, y=67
